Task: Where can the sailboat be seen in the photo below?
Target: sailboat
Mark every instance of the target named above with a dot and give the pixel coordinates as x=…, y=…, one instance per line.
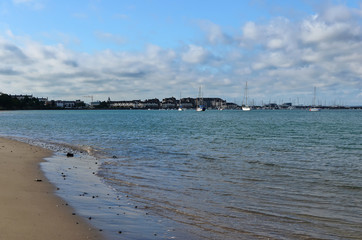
x=200, y=107
x=313, y=108
x=245, y=106
x=180, y=105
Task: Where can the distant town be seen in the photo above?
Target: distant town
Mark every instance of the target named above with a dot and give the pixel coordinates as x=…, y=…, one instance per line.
x=29, y=102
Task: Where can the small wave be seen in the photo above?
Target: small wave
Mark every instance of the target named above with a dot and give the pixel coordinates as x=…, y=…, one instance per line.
x=61, y=147
x=350, y=187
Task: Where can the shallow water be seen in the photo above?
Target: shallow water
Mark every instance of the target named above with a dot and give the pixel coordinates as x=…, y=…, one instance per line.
x=208, y=175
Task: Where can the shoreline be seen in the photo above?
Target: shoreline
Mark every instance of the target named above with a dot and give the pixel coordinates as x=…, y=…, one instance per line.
x=29, y=206
x=75, y=181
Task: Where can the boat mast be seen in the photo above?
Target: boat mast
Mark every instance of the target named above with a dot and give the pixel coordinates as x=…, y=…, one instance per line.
x=246, y=94
x=314, y=97
x=200, y=97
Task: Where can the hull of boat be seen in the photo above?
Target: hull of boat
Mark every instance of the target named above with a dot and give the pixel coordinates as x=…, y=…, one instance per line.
x=200, y=109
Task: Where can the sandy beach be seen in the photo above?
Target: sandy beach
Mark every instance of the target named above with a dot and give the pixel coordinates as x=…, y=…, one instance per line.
x=28, y=206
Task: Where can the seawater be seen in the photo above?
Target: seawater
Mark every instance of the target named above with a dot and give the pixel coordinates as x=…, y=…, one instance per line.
x=206, y=175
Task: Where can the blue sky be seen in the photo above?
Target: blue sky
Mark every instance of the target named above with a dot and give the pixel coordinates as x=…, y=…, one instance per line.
x=159, y=48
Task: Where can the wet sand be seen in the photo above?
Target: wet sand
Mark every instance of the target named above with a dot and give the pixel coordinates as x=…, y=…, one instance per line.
x=28, y=207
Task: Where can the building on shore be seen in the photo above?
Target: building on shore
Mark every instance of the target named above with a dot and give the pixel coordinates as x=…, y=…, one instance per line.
x=21, y=96
x=69, y=104
x=169, y=103
x=124, y=104
x=152, y=103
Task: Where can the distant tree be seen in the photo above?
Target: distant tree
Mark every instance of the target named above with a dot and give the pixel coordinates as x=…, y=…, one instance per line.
x=80, y=104
x=102, y=105
x=52, y=104
x=28, y=103
x=9, y=103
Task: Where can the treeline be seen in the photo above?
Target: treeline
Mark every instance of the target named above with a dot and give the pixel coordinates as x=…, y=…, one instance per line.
x=27, y=103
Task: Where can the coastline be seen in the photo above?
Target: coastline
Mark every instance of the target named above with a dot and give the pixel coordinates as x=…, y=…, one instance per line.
x=28, y=204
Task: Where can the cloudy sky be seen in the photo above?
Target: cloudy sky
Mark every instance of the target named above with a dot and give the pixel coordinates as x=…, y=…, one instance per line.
x=140, y=49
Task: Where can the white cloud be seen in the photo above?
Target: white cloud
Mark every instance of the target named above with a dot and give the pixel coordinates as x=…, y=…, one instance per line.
x=194, y=54
x=322, y=50
x=214, y=32
x=279, y=59
x=314, y=31
x=275, y=43
x=9, y=33
x=337, y=13
x=250, y=31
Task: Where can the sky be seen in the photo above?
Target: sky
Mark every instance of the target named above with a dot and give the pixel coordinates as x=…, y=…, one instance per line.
x=143, y=49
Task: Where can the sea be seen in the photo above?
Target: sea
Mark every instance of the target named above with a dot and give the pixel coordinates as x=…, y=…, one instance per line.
x=166, y=174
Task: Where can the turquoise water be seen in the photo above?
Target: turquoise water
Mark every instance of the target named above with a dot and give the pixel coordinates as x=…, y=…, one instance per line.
x=218, y=174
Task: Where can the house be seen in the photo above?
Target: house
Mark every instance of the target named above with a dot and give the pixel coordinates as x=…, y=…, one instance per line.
x=188, y=103
x=169, y=103
x=152, y=103
x=214, y=103
x=95, y=104
x=123, y=104
x=21, y=97
x=67, y=104
x=43, y=100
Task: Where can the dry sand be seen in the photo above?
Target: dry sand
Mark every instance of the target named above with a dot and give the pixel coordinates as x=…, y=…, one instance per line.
x=28, y=207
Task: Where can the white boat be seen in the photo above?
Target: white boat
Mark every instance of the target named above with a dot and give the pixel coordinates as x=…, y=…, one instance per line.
x=180, y=108
x=200, y=108
x=200, y=103
x=245, y=106
x=313, y=108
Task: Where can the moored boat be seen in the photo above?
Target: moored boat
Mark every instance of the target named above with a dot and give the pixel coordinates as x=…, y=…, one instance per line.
x=245, y=106
x=313, y=108
x=200, y=102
